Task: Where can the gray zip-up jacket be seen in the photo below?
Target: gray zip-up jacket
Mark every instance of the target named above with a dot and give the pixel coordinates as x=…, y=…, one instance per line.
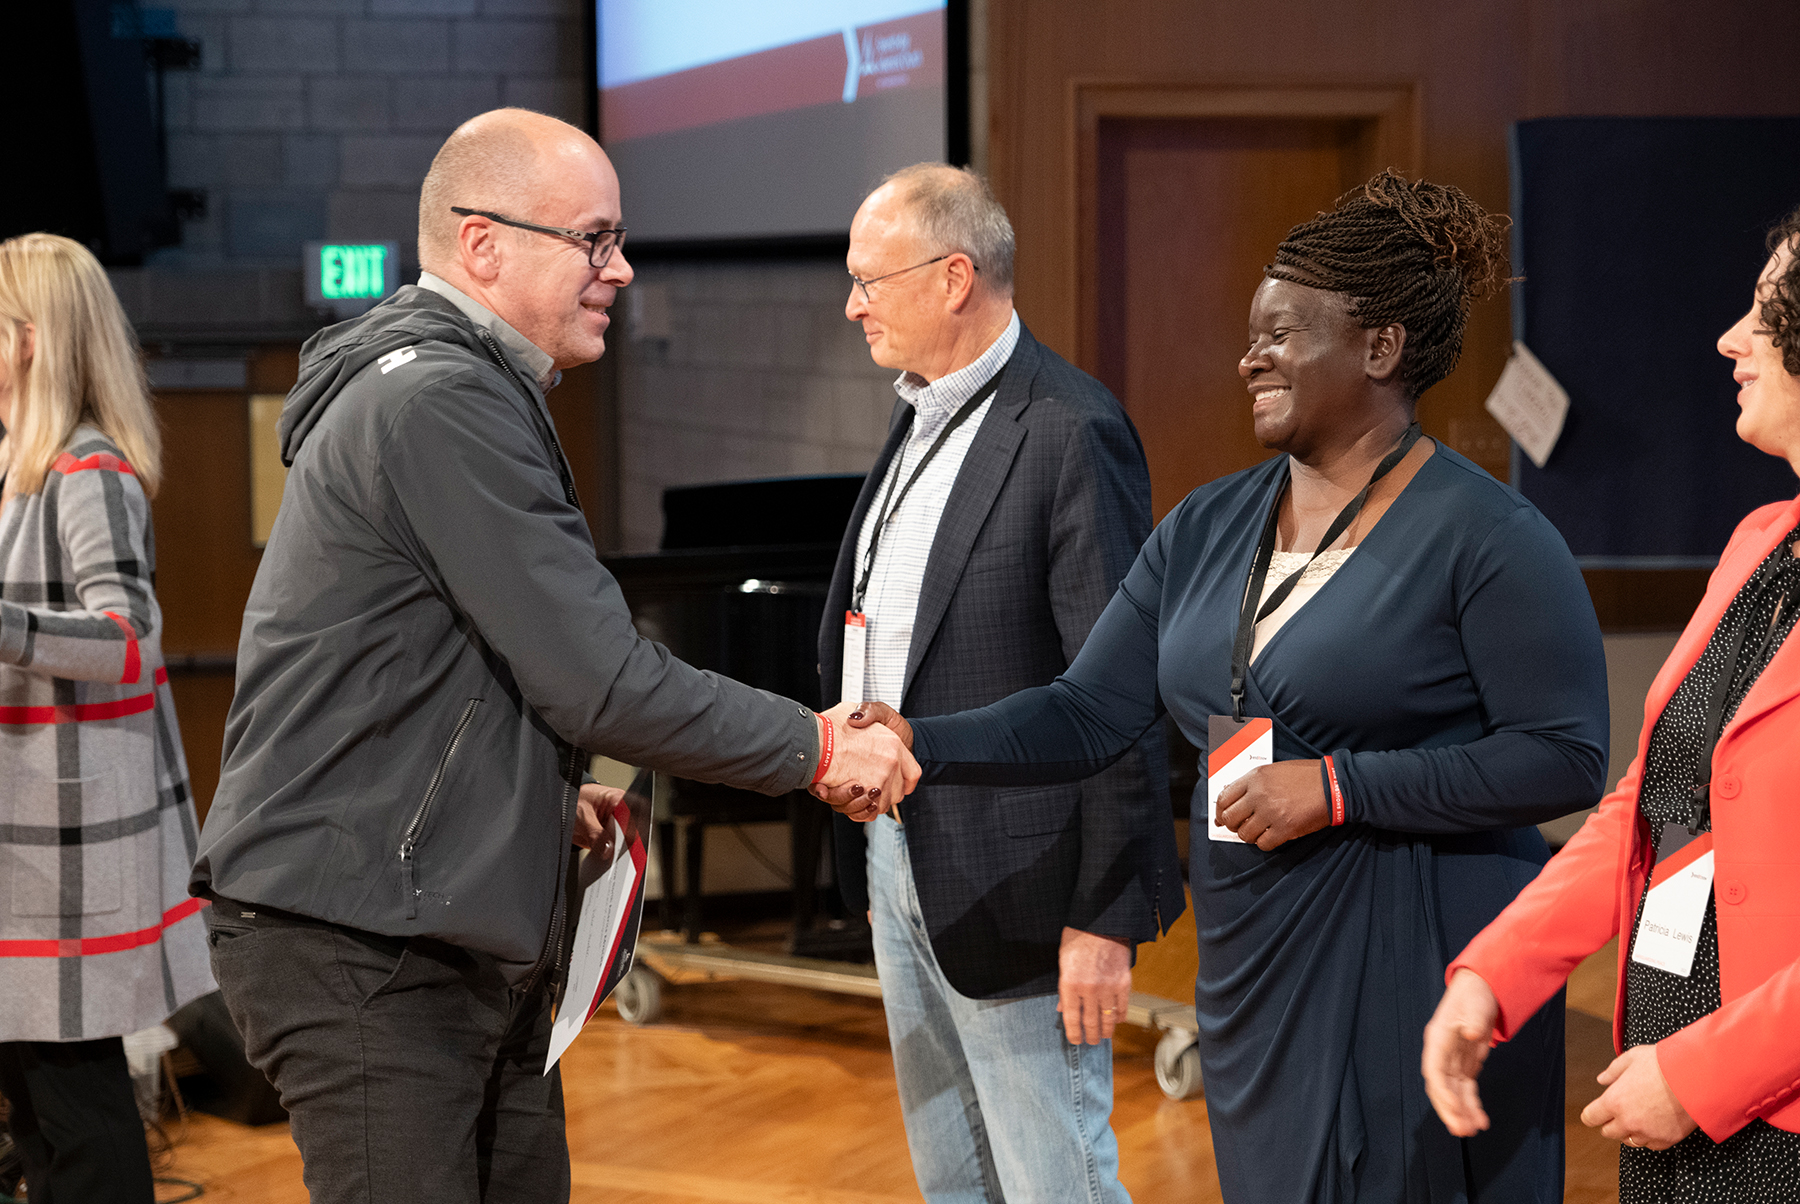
x=430, y=647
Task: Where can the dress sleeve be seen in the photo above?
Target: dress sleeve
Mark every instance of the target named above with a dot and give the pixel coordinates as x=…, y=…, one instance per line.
x=1532, y=646
x=1078, y=724
x=103, y=524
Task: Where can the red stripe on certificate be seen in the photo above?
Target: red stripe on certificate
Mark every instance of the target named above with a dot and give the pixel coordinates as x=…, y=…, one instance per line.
x=117, y=943
x=1228, y=752
x=84, y=712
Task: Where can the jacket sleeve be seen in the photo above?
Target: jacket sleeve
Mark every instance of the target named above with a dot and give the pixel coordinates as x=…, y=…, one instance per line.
x=1100, y=519
x=1533, y=650
x=1740, y=1062
x=1078, y=724
x=1567, y=913
x=102, y=523
x=471, y=482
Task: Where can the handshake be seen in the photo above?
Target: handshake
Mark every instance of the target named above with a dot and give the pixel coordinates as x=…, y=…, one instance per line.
x=872, y=766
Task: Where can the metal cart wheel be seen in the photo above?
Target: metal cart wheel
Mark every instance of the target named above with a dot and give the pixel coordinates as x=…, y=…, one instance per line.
x=640, y=996
x=1178, y=1065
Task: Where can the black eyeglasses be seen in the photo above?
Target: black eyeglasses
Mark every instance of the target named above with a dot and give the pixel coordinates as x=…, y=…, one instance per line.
x=600, y=242
x=859, y=282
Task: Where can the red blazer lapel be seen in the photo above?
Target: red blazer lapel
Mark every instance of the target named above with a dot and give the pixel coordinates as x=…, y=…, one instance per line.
x=1781, y=680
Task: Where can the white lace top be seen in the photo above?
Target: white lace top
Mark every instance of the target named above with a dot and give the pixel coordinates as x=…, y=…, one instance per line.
x=1281, y=566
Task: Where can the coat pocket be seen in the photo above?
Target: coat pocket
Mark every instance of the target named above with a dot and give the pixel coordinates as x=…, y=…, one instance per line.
x=410, y=890
x=59, y=869
x=1036, y=810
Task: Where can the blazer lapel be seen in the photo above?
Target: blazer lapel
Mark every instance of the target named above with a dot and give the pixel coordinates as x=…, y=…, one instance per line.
x=1781, y=680
x=977, y=485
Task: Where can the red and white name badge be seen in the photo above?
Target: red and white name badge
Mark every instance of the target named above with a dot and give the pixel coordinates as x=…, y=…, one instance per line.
x=853, y=683
x=1675, y=905
x=1233, y=749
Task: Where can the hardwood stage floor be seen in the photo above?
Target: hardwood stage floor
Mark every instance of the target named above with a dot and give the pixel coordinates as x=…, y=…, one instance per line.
x=754, y=1094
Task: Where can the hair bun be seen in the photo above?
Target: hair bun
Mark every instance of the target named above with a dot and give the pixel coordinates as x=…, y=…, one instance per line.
x=1459, y=231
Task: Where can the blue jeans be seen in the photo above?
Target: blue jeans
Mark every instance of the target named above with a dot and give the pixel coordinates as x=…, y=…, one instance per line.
x=998, y=1105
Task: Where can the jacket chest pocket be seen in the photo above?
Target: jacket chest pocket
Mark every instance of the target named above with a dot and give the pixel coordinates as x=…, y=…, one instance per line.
x=60, y=868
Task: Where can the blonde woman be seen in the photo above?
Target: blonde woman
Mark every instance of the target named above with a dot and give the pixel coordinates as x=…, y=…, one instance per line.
x=97, y=934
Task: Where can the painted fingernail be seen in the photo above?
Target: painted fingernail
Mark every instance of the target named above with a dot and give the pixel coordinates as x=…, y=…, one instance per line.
x=874, y=793
x=856, y=714
x=856, y=791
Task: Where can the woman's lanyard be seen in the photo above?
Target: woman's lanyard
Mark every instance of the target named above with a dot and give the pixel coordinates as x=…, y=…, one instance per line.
x=1249, y=615
x=890, y=503
x=1733, y=675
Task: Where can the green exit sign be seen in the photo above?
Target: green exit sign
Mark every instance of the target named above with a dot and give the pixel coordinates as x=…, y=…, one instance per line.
x=352, y=271
x=347, y=278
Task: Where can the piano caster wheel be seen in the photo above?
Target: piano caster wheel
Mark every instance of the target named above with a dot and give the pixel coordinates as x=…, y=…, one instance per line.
x=1178, y=1065
x=639, y=996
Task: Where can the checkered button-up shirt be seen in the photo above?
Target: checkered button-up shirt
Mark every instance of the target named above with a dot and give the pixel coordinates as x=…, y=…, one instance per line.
x=892, y=600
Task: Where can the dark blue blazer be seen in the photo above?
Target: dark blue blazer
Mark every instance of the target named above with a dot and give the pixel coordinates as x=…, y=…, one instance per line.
x=1047, y=514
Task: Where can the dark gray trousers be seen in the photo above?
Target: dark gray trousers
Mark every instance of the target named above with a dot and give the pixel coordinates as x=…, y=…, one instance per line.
x=75, y=1121
x=411, y=1072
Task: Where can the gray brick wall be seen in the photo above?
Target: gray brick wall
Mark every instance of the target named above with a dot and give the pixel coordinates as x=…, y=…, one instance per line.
x=317, y=118
x=740, y=370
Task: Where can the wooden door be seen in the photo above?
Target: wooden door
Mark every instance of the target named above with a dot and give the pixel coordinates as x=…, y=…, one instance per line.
x=1188, y=211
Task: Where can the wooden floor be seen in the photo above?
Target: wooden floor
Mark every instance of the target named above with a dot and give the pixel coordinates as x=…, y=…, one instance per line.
x=753, y=1094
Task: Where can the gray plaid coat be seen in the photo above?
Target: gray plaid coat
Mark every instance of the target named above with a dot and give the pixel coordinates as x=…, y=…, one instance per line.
x=98, y=936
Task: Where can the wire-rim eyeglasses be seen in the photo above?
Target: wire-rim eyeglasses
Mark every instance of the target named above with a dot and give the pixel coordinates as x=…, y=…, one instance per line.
x=859, y=282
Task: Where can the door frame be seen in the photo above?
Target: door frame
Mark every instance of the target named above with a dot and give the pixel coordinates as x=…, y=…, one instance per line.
x=1394, y=108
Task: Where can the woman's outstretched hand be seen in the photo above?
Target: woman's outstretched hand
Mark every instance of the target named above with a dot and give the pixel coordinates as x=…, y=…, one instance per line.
x=1457, y=1040
x=849, y=797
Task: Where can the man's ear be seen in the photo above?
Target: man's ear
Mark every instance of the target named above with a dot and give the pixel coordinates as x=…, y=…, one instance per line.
x=959, y=281
x=1387, y=346
x=478, y=248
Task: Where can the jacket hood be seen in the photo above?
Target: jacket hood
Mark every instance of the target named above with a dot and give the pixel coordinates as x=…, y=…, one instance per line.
x=333, y=356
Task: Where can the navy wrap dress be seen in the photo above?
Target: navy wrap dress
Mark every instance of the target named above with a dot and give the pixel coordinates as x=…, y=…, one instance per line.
x=1452, y=668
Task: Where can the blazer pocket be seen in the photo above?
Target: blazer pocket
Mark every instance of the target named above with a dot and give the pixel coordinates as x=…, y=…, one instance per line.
x=1037, y=810
x=52, y=876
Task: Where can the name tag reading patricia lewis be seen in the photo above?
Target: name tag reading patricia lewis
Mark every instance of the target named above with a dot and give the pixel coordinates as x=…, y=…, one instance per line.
x=1675, y=903
x=1233, y=749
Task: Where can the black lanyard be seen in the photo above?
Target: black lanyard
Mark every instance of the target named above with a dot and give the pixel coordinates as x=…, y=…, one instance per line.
x=1733, y=675
x=1249, y=615
x=890, y=503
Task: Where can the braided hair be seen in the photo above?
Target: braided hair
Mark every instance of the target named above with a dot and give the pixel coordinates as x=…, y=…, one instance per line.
x=1412, y=255
x=1781, y=310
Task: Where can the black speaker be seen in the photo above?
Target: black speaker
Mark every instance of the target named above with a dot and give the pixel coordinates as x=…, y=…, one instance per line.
x=84, y=158
x=231, y=1088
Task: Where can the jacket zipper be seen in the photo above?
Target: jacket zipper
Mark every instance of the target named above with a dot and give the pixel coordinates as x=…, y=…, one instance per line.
x=562, y=463
x=408, y=841
x=552, y=949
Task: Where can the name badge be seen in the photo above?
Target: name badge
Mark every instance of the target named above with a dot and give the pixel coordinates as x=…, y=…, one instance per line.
x=856, y=652
x=1233, y=749
x=1675, y=903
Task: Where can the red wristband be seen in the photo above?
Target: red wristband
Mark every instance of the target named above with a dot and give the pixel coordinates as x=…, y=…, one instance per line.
x=825, y=739
x=1337, y=793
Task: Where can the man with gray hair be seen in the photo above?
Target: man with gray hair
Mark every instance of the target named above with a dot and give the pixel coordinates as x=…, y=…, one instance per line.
x=430, y=651
x=1009, y=501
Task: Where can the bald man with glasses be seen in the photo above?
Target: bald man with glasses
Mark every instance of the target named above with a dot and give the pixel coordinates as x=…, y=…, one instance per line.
x=430, y=652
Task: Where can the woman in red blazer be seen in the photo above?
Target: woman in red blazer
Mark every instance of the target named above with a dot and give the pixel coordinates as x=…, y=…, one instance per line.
x=1706, y=1090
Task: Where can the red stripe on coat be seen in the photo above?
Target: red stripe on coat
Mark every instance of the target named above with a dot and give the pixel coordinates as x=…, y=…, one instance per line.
x=87, y=946
x=134, y=663
x=67, y=464
x=85, y=712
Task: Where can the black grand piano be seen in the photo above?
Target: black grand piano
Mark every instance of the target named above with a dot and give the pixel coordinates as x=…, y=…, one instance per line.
x=739, y=587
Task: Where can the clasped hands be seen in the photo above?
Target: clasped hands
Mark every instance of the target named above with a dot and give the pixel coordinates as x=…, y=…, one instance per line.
x=1637, y=1106
x=872, y=765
